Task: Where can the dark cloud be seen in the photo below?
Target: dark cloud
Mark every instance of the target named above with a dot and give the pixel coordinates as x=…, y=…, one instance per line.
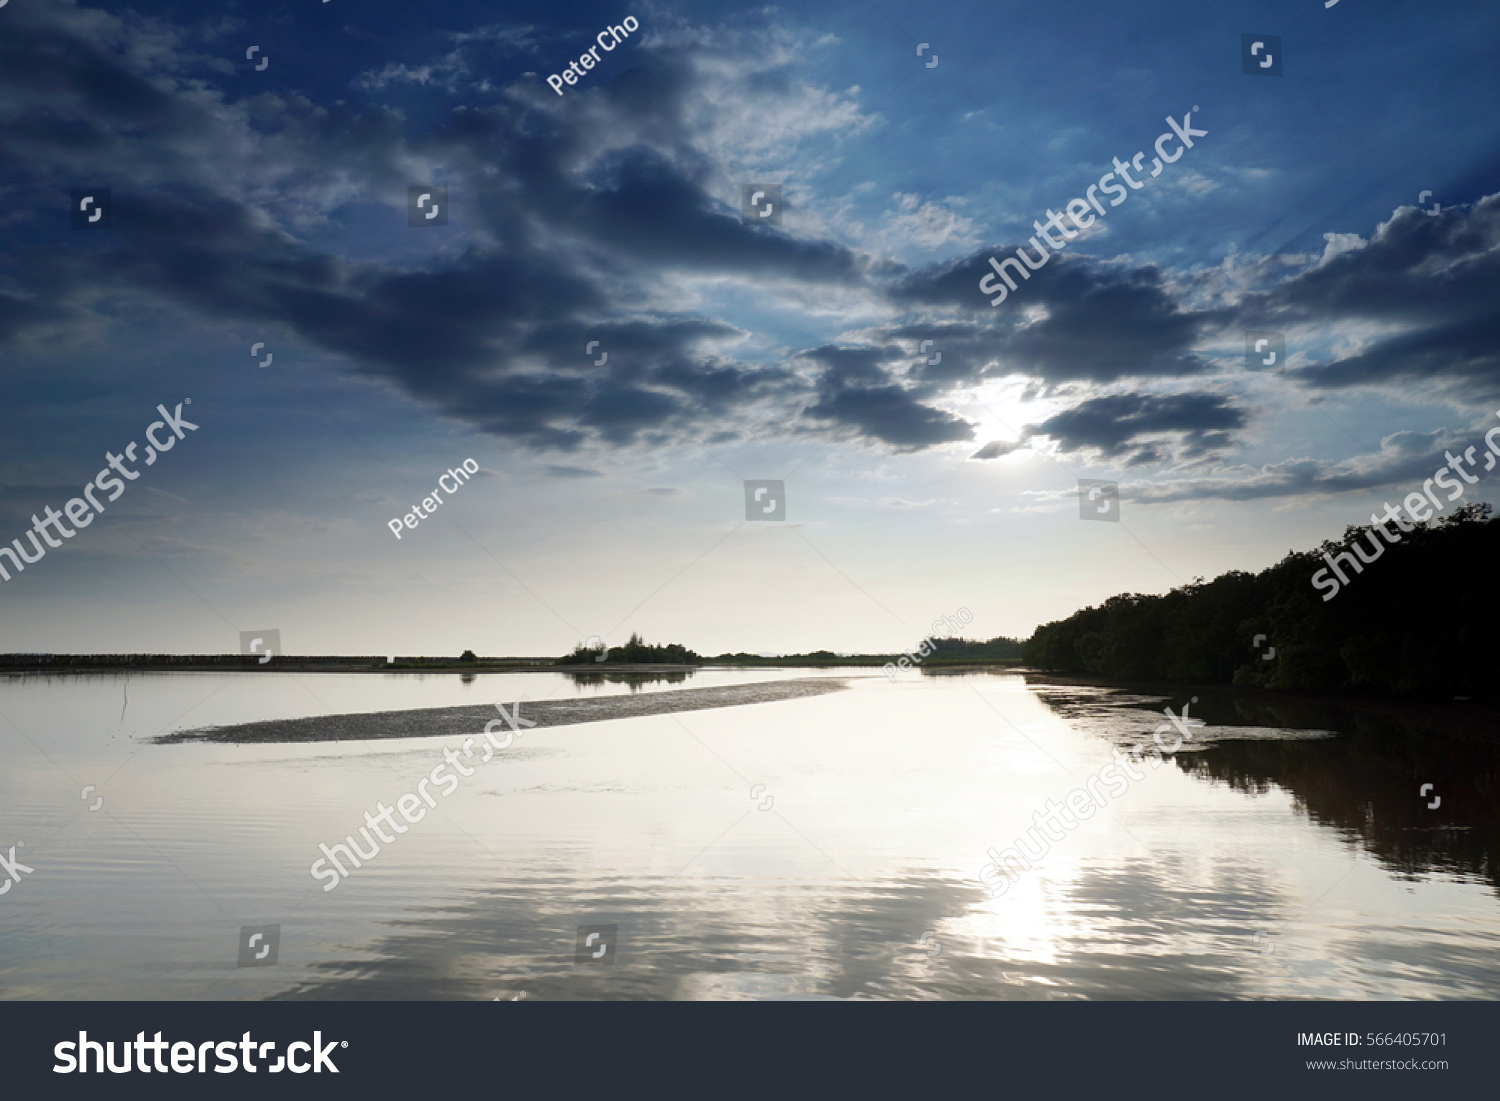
x=859, y=365
x=964, y=353
x=569, y=248
x=1404, y=460
x=1103, y=322
x=997, y=449
x=1437, y=277
x=647, y=207
x=1416, y=266
x=1116, y=424
x=1467, y=350
x=856, y=391
x=890, y=414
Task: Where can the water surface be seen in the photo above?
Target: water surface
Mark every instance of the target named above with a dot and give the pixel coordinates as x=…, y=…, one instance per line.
x=1263, y=868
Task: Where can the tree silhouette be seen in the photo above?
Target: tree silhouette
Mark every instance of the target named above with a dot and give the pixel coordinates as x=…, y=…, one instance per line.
x=1413, y=620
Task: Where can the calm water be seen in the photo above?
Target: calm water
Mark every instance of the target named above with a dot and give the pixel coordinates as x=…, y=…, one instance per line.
x=1261, y=868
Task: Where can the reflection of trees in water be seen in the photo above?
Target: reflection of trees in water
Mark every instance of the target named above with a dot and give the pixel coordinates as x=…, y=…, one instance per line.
x=1369, y=785
x=636, y=681
x=1366, y=782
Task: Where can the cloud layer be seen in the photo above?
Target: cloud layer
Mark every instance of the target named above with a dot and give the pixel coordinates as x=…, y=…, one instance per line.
x=609, y=216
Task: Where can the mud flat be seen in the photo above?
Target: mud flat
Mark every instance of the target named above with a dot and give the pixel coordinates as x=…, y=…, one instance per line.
x=432, y=722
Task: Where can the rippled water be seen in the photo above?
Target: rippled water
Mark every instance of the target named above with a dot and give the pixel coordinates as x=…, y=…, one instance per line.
x=1246, y=869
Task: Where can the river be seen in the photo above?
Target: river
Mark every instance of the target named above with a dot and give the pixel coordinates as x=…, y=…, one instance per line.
x=827, y=847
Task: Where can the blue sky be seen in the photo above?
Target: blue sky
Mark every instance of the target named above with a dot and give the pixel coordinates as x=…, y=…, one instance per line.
x=269, y=205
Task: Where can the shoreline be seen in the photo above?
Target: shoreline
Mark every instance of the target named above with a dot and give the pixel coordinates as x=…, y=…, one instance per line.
x=294, y=665
x=433, y=722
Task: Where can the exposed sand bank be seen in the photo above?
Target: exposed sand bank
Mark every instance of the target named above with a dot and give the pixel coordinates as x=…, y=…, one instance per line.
x=430, y=722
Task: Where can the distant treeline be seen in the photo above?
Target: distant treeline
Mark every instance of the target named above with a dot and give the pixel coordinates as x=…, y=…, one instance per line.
x=636, y=651
x=95, y=661
x=815, y=657
x=1414, y=619
x=999, y=648
x=239, y=661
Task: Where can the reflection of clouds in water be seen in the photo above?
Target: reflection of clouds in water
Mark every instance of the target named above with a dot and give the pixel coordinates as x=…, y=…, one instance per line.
x=1183, y=927
x=1424, y=956
x=683, y=937
x=1155, y=928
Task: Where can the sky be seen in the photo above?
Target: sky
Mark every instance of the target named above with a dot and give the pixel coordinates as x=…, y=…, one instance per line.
x=598, y=323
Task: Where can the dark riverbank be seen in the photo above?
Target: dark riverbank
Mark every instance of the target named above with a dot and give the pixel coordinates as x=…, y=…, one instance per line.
x=430, y=722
